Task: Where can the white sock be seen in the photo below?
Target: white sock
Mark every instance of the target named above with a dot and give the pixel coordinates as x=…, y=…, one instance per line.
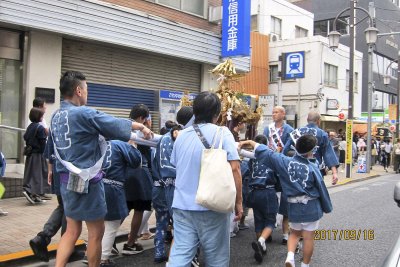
x=262, y=242
x=304, y=265
x=290, y=256
x=286, y=236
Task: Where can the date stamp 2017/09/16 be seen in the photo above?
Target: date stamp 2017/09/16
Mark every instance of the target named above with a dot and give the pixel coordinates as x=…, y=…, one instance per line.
x=344, y=234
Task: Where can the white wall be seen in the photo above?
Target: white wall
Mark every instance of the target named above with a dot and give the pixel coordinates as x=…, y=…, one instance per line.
x=43, y=69
x=291, y=16
x=317, y=53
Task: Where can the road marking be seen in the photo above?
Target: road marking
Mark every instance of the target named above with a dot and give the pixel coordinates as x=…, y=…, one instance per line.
x=378, y=183
x=360, y=189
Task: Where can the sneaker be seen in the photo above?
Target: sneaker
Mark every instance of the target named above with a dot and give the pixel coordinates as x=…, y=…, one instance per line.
x=28, y=197
x=243, y=226
x=39, y=248
x=3, y=212
x=132, y=250
x=38, y=200
x=289, y=263
x=85, y=260
x=46, y=197
x=259, y=252
x=284, y=241
x=195, y=262
x=161, y=260
x=232, y=234
x=146, y=236
x=114, y=249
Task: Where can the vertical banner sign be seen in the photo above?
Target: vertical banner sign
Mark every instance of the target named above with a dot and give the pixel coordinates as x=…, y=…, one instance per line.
x=236, y=28
x=349, y=148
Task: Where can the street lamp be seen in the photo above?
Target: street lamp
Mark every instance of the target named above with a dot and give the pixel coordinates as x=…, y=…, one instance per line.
x=371, y=36
x=386, y=81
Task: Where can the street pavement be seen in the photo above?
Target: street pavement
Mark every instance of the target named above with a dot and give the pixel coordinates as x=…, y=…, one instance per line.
x=359, y=207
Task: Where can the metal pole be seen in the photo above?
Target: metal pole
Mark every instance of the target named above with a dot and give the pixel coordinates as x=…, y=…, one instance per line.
x=398, y=96
x=351, y=73
x=369, y=127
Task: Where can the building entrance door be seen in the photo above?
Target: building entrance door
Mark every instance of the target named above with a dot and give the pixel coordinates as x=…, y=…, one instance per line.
x=10, y=88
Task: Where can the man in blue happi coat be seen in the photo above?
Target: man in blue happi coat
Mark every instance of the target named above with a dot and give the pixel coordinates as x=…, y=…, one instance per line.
x=75, y=130
x=278, y=133
x=325, y=153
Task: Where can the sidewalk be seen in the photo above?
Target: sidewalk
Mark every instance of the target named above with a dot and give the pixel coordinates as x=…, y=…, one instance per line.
x=25, y=220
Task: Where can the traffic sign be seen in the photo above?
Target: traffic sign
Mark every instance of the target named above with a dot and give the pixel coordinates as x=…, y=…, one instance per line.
x=293, y=65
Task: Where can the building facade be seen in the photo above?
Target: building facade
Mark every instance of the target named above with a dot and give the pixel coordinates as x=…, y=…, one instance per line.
x=386, y=49
x=139, y=51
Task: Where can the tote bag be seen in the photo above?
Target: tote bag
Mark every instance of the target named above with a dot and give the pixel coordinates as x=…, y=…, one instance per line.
x=216, y=190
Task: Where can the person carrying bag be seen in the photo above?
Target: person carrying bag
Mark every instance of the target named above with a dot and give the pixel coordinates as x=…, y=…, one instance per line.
x=216, y=189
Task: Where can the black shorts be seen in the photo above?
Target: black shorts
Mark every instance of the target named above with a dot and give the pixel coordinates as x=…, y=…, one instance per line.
x=139, y=205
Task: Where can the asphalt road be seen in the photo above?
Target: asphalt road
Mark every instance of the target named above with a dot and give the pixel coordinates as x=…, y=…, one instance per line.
x=360, y=231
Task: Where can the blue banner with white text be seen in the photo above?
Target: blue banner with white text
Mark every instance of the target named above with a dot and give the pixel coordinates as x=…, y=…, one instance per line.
x=236, y=28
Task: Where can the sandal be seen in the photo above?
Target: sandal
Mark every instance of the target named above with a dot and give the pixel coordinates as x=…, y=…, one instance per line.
x=334, y=181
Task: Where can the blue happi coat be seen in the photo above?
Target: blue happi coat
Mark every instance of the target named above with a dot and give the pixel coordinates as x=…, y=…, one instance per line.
x=284, y=134
x=162, y=167
x=76, y=131
x=119, y=156
x=299, y=176
x=325, y=152
x=260, y=174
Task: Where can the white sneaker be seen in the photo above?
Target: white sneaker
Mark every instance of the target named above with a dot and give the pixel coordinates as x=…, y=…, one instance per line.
x=289, y=263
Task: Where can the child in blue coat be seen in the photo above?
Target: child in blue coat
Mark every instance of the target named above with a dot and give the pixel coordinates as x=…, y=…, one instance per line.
x=305, y=189
x=262, y=198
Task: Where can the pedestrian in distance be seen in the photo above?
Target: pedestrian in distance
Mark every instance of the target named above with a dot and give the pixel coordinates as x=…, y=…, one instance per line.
x=77, y=132
x=303, y=184
x=396, y=156
x=35, y=173
x=263, y=199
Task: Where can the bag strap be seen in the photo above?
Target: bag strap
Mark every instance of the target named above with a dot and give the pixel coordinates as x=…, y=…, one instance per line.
x=201, y=136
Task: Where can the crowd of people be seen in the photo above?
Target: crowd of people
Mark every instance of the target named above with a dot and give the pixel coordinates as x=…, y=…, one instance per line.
x=99, y=175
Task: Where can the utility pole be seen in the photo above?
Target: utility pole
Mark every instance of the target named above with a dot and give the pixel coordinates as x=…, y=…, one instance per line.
x=349, y=147
x=398, y=97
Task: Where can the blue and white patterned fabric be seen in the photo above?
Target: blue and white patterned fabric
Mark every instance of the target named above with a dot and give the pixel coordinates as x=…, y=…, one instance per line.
x=299, y=177
x=119, y=156
x=325, y=153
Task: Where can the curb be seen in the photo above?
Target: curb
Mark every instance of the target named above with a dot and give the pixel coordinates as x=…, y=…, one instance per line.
x=27, y=256
x=352, y=181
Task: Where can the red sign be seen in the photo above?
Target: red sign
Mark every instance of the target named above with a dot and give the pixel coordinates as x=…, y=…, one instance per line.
x=341, y=116
x=392, y=128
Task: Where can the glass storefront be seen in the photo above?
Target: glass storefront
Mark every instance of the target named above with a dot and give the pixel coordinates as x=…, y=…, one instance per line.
x=10, y=81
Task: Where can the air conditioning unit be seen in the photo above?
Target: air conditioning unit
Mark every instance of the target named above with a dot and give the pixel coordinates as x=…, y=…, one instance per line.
x=215, y=14
x=273, y=37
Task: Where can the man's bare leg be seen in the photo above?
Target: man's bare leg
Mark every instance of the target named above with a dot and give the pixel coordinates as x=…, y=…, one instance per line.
x=95, y=235
x=67, y=242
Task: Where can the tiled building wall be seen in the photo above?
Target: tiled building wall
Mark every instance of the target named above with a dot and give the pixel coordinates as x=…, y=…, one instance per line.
x=13, y=187
x=171, y=14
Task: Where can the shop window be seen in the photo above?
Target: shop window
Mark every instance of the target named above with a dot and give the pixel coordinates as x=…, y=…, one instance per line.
x=323, y=27
x=254, y=23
